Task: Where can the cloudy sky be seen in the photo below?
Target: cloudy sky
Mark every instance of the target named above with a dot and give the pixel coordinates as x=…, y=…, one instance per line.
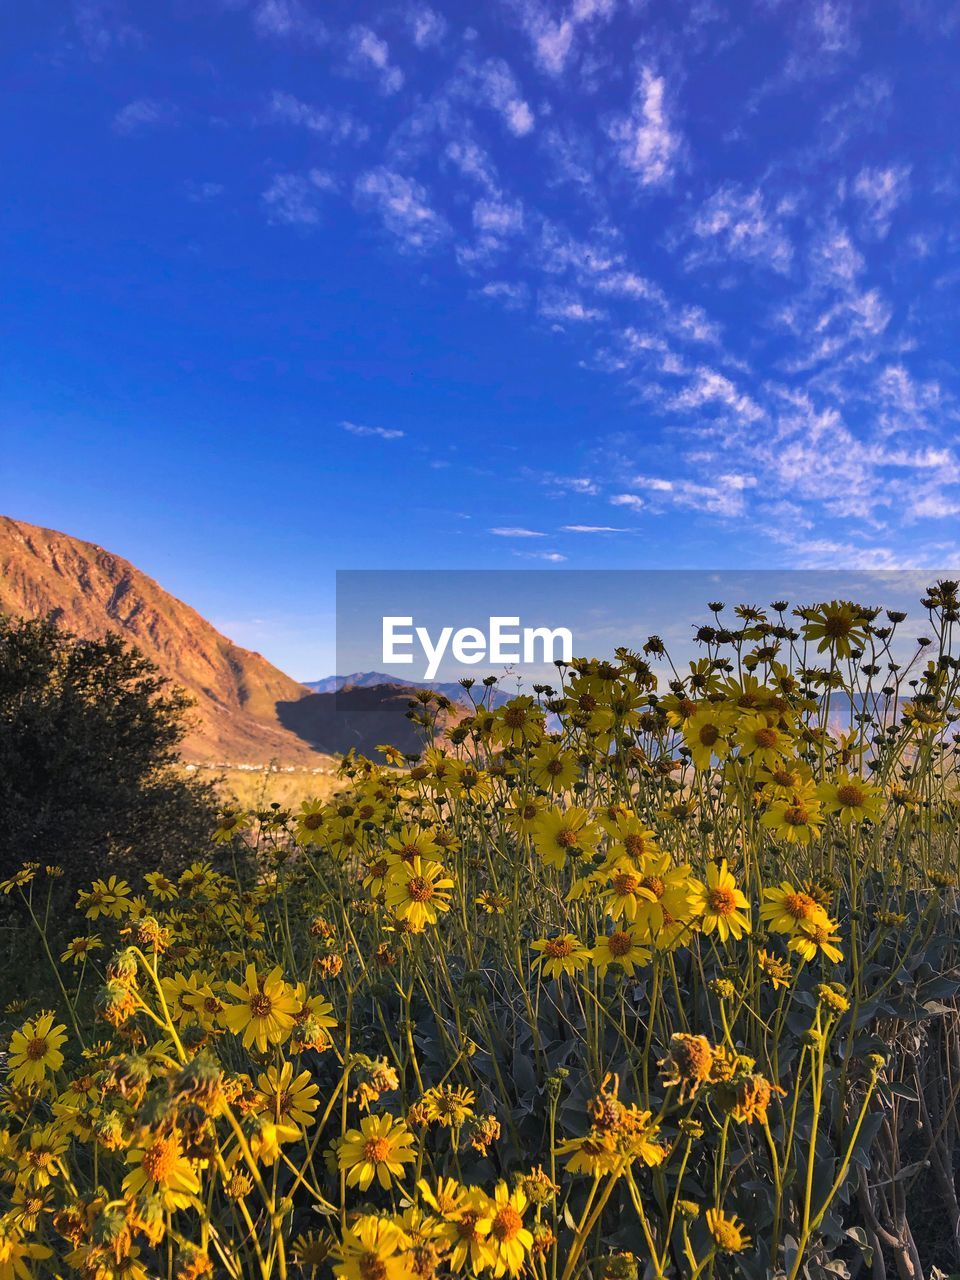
x=293, y=287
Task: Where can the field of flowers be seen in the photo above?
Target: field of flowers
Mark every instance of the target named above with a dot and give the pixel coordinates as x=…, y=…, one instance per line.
x=634, y=976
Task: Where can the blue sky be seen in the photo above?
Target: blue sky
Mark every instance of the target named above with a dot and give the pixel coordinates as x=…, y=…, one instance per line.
x=294, y=287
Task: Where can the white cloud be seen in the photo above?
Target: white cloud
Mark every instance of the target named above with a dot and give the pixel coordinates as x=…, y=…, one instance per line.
x=513, y=296
x=473, y=162
x=509, y=531
x=368, y=51
x=340, y=126
x=498, y=217
x=834, y=258
x=560, y=486
x=379, y=433
x=647, y=142
x=553, y=557
x=287, y=18
x=711, y=387
x=292, y=198
x=630, y=500
x=145, y=113
x=558, y=305
x=593, y=528
x=881, y=191
x=427, y=27
x=404, y=208
x=554, y=37
x=738, y=223
x=498, y=88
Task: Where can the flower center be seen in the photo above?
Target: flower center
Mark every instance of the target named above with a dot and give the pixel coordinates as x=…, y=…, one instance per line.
x=850, y=795
x=566, y=838
x=515, y=717
x=620, y=943
x=795, y=816
x=160, y=1159
x=766, y=738
x=420, y=889
x=261, y=1006
x=799, y=905
x=635, y=845
x=722, y=901
x=709, y=733
x=376, y=1149
x=654, y=884
x=313, y=820
x=371, y=1267
x=559, y=947
x=625, y=883
x=507, y=1223
x=36, y=1048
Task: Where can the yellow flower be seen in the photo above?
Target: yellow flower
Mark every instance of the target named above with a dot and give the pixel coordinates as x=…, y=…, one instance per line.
x=721, y=904
x=80, y=948
x=417, y=892
x=518, y=722
x=563, y=954
x=622, y=948
x=624, y=893
x=838, y=626
x=378, y=1149
x=669, y=889
x=288, y=1098
x=161, y=886
x=759, y=738
x=705, y=733
x=728, y=1233
x=105, y=898
x=231, y=823
x=559, y=834
x=35, y=1050
x=16, y=1254
x=265, y=1014
x=162, y=1169
x=310, y=822
x=448, y=1105
x=372, y=1247
x=510, y=1240
x=190, y=999
x=467, y=1215
x=818, y=936
x=796, y=819
x=851, y=799
x=553, y=768
x=785, y=909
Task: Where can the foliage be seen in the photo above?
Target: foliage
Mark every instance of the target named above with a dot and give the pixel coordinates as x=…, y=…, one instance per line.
x=668, y=990
x=88, y=746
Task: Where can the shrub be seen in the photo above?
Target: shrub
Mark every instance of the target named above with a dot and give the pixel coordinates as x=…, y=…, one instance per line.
x=89, y=734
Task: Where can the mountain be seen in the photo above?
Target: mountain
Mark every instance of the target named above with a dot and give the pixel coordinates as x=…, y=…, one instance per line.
x=370, y=679
x=90, y=591
x=246, y=710
x=362, y=717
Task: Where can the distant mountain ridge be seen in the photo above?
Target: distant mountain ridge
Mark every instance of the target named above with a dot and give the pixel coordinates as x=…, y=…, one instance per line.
x=372, y=679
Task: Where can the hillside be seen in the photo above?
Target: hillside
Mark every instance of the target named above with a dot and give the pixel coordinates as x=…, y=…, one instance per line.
x=91, y=591
x=370, y=679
